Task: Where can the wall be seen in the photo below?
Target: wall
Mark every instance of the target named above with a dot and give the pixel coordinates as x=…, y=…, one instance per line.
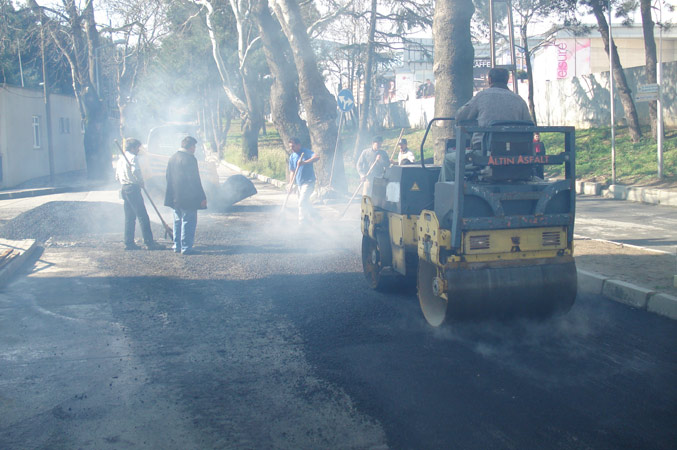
x=20, y=160
x=583, y=101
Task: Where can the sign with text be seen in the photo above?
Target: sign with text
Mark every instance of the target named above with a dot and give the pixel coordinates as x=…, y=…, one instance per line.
x=646, y=96
x=647, y=88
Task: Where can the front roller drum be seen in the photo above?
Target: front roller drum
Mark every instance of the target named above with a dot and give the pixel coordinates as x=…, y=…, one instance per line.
x=524, y=291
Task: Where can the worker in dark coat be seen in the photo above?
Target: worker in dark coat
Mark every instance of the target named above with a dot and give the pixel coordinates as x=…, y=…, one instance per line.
x=184, y=195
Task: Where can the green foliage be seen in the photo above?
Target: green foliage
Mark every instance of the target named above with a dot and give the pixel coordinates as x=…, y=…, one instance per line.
x=272, y=160
x=20, y=35
x=635, y=163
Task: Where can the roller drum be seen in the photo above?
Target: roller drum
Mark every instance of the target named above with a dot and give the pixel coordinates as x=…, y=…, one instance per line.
x=497, y=292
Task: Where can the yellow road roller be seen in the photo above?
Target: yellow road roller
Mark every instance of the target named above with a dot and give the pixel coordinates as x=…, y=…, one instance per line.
x=481, y=236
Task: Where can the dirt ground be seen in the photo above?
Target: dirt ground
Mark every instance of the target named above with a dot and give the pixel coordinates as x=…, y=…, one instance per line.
x=634, y=265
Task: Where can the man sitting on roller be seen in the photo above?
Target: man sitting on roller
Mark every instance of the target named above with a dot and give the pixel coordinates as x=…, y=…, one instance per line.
x=497, y=103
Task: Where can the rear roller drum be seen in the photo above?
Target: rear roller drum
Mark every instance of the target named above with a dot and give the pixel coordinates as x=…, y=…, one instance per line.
x=375, y=257
x=431, y=293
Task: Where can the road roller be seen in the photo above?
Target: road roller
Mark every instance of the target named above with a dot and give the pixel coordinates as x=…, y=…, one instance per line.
x=481, y=236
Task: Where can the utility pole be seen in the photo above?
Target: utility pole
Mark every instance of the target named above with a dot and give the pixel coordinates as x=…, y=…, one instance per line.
x=48, y=109
x=659, y=105
x=492, y=39
x=511, y=35
x=611, y=90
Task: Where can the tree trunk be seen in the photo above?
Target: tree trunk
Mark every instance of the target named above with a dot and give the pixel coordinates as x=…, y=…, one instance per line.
x=623, y=89
x=250, y=148
x=368, y=77
x=651, y=60
x=253, y=120
x=530, y=74
x=319, y=104
x=284, y=97
x=453, y=64
x=96, y=127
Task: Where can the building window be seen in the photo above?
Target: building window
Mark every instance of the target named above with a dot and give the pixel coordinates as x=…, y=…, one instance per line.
x=36, y=131
x=65, y=125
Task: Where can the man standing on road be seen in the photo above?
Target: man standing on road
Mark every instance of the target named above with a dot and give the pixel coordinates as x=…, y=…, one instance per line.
x=184, y=195
x=304, y=159
x=128, y=173
x=406, y=156
x=372, y=163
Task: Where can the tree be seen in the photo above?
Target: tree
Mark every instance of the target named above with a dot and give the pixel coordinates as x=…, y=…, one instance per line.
x=386, y=24
x=143, y=24
x=74, y=32
x=251, y=108
x=180, y=82
x=528, y=11
x=368, y=75
x=317, y=101
x=650, y=56
x=20, y=52
x=284, y=92
x=598, y=8
x=453, y=65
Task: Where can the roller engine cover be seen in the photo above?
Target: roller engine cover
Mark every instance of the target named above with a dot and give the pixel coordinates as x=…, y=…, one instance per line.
x=406, y=189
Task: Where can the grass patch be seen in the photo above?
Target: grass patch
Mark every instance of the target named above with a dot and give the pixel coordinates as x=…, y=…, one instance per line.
x=635, y=163
x=272, y=160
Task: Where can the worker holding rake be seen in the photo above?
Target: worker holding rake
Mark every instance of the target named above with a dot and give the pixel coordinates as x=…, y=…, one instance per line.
x=128, y=173
x=301, y=163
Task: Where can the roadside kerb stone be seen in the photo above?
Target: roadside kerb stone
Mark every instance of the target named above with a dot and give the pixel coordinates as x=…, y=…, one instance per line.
x=642, y=195
x=627, y=293
x=590, y=282
x=25, y=248
x=663, y=304
x=23, y=193
x=592, y=188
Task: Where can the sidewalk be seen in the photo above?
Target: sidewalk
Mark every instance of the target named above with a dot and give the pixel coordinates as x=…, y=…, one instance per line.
x=68, y=182
x=601, y=275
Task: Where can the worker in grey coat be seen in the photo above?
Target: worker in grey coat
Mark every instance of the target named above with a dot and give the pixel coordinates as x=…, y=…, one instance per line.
x=372, y=163
x=497, y=103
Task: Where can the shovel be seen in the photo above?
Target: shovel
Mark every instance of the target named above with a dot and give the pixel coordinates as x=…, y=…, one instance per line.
x=291, y=188
x=359, y=186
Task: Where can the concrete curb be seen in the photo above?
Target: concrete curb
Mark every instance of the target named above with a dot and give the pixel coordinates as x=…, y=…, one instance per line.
x=23, y=193
x=628, y=193
x=628, y=294
x=25, y=247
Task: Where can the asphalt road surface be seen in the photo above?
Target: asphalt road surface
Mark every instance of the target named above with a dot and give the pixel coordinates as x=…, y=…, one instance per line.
x=270, y=339
x=651, y=226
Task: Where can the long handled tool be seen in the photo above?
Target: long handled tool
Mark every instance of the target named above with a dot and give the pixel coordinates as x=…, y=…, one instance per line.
x=168, y=231
x=291, y=188
x=396, y=143
x=360, y=186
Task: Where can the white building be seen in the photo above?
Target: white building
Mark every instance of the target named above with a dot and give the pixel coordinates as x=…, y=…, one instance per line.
x=23, y=136
x=572, y=56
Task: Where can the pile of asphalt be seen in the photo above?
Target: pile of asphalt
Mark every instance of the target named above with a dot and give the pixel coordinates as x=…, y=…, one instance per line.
x=65, y=220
